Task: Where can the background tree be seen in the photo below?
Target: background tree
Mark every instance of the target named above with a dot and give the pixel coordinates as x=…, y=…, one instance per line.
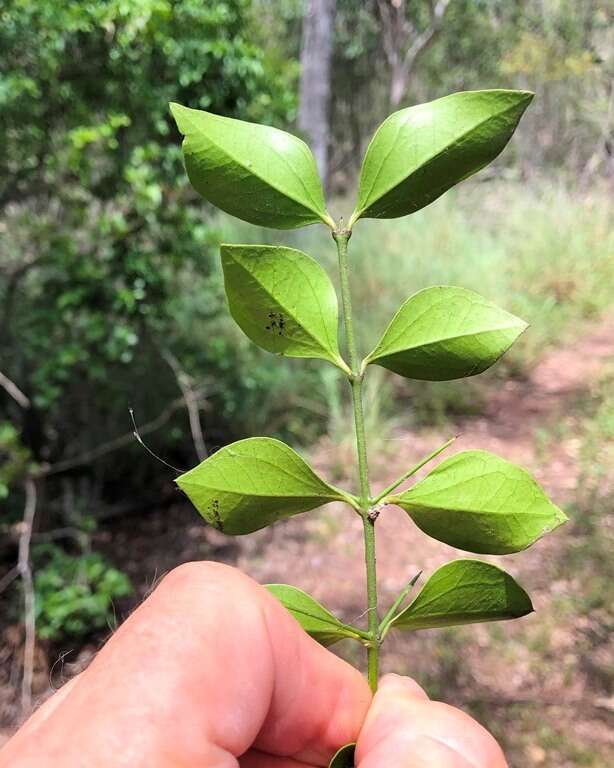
x=105, y=251
x=315, y=85
x=406, y=39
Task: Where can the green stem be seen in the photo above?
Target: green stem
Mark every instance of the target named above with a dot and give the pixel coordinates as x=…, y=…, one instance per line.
x=341, y=237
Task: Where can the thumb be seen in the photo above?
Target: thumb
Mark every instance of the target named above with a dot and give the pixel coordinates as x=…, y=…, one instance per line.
x=405, y=729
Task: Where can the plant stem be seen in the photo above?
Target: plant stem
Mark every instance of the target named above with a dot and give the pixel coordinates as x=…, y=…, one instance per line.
x=341, y=238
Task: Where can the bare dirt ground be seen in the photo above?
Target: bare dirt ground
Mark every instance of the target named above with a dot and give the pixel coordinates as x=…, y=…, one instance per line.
x=529, y=681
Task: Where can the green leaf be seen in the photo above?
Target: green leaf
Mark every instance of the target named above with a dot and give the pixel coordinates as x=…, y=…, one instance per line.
x=283, y=300
x=252, y=483
x=418, y=153
x=257, y=173
x=344, y=757
x=313, y=617
x=465, y=592
x=444, y=333
x=481, y=503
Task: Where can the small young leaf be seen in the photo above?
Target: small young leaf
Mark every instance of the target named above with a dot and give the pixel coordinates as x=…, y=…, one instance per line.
x=344, y=757
x=283, y=300
x=257, y=173
x=444, y=333
x=465, y=592
x=252, y=483
x=313, y=617
x=481, y=503
x=418, y=153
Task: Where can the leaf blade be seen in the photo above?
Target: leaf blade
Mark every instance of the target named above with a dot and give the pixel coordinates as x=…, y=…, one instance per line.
x=257, y=173
x=465, y=592
x=418, y=153
x=253, y=483
x=313, y=617
x=443, y=333
x=479, y=502
x=283, y=300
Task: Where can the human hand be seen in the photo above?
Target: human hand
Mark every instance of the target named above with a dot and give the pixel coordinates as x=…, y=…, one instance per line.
x=210, y=671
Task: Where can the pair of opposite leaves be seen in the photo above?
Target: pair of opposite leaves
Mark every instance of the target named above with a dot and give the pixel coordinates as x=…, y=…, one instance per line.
x=268, y=177
x=284, y=301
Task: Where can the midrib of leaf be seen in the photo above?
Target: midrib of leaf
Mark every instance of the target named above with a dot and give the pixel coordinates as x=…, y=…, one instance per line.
x=272, y=494
x=394, y=351
x=459, y=585
x=457, y=484
x=298, y=478
x=299, y=178
x=332, y=343
x=435, y=155
x=284, y=307
x=243, y=494
x=314, y=207
x=415, y=319
x=384, y=161
x=330, y=621
x=462, y=508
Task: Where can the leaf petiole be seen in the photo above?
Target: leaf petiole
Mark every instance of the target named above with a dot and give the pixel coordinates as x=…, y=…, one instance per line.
x=350, y=500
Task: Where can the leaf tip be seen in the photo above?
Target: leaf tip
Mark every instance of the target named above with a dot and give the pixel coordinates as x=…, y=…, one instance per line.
x=179, y=113
x=525, y=606
x=522, y=325
x=560, y=518
x=523, y=98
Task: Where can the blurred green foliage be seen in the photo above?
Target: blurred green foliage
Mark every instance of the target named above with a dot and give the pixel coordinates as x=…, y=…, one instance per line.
x=13, y=457
x=561, y=49
x=75, y=594
x=100, y=230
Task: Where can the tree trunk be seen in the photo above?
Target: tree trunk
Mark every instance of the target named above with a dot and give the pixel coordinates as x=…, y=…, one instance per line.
x=398, y=84
x=314, y=98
